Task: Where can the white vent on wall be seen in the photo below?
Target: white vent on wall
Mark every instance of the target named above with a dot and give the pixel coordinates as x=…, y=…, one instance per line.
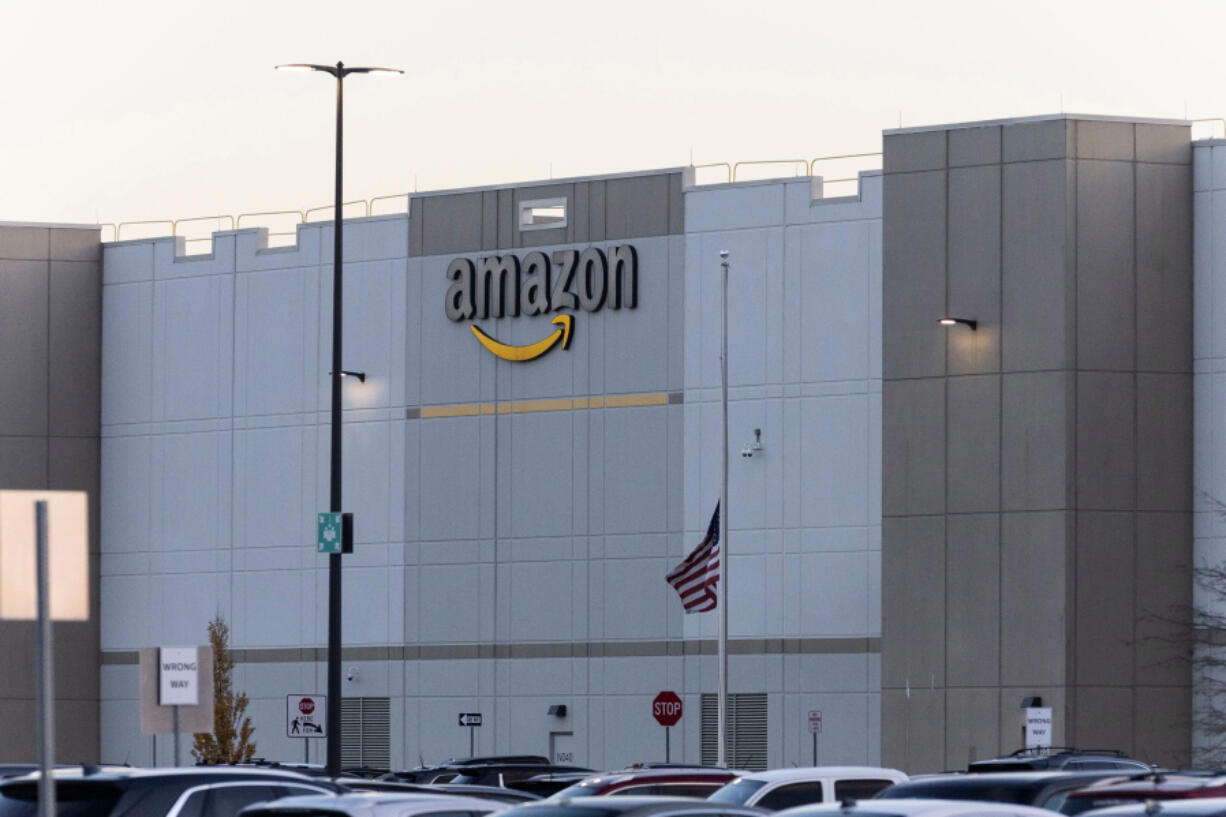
x=366, y=733
x=542, y=214
x=746, y=730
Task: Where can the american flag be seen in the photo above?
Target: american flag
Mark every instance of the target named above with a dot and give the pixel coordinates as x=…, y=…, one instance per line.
x=695, y=579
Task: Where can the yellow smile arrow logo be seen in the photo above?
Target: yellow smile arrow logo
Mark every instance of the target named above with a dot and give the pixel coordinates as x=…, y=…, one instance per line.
x=532, y=350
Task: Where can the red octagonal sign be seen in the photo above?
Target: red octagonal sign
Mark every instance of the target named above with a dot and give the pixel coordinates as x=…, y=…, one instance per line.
x=666, y=708
x=306, y=706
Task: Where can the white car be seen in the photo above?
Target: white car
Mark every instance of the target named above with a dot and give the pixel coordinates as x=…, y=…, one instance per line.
x=785, y=788
x=375, y=804
x=915, y=808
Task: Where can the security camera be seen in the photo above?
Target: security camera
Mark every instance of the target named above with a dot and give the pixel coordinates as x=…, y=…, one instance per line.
x=351, y=673
x=753, y=445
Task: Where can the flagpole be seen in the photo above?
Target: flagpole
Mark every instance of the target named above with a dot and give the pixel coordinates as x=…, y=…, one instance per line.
x=725, y=553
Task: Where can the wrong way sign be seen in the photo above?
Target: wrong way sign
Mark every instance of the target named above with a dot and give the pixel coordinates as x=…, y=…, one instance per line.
x=306, y=716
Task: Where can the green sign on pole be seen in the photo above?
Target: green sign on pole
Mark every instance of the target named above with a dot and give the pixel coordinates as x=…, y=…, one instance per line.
x=329, y=539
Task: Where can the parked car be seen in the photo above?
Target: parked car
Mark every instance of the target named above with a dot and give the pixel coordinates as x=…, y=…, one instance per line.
x=632, y=807
x=1157, y=786
x=1062, y=758
x=207, y=791
x=375, y=804
x=548, y=784
x=1194, y=807
x=784, y=788
x=483, y=772
x=507, y=796
x=445, y=771
x=1042, y=789
x=914, y=808
x=699, y=781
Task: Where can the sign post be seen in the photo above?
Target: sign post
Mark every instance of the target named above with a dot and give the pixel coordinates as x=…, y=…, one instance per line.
x=667, y=708
x=306, y=716
x=472, y=720
x=815, y=729
x=178, y=683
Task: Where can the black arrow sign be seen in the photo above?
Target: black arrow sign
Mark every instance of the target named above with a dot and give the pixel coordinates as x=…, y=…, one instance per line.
x=470, y=719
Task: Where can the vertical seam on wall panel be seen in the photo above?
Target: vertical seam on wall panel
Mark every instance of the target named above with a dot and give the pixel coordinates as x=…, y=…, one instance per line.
x=233, y=389
x=1136, y=441
x=945, y=499
x=1070, y=672
x=999, y=605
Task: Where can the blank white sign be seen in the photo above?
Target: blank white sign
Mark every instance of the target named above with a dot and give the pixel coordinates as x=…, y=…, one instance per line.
x=67, y=554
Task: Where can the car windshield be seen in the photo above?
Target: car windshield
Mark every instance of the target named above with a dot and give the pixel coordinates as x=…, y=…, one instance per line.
x=961, y=789
x=738, y=791
x=76, y=800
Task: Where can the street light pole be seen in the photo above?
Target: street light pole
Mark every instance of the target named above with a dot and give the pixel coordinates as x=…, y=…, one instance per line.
x=333, y=762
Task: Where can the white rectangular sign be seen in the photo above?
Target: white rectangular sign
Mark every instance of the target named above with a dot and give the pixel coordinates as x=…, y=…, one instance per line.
x=306, y=716
x=815, y=721
x=178, y=681
x=1038, y=727
x=67, y=554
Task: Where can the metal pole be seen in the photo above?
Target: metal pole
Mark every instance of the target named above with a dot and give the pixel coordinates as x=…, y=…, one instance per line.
x=724, y=550
x=175, y=714
x=472, y=736
x=334, y=505
x=667, y=756
x=154, y=740
x=814, y=748
x=46, y=679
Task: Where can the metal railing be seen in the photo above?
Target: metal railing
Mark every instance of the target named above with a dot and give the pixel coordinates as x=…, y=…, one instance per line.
x=1217, y=119
x=800, y=167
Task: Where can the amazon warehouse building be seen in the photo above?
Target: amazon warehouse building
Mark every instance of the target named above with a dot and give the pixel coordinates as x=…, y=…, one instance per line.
x=936, y=522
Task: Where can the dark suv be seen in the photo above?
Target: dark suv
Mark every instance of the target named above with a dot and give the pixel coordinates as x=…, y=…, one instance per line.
x=1062, y=758
x=1043, y=789
x=219, y=791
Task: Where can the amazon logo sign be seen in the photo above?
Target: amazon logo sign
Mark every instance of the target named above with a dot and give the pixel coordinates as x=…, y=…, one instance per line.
x=506, y=286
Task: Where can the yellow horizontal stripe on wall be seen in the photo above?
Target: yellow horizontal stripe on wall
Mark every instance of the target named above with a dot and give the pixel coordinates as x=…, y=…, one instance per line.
x=532, y=406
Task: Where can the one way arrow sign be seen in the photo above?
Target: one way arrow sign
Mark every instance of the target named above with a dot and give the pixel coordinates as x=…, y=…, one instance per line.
x=470, y=719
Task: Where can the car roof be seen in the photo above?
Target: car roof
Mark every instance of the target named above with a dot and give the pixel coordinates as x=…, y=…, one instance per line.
x=1151, y=784
x=370, y=802
x=809, y=772
x=116, y=773
x=1192, y=807
x=644, y=803
x=689, y=773
x=907, y=807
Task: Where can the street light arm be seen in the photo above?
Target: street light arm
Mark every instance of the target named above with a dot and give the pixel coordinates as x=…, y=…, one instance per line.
x=307, y=66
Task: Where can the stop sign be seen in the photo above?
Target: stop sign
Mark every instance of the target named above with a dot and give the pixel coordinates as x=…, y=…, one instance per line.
x=306, y=706
x=666, y=708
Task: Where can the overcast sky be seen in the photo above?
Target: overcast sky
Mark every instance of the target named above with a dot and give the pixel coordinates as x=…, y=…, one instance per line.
x=128, y=109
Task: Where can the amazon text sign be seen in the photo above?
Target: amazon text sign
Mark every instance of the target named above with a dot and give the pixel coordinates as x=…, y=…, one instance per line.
x=506, y=286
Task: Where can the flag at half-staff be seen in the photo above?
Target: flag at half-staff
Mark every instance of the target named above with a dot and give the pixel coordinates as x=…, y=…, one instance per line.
x=696, y=578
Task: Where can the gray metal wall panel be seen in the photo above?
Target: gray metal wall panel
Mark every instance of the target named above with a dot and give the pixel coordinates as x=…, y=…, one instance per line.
x=1166, y=144
x=1105, y=602
x=972, y=632
x=913, y=447
x=449, y=224
x=489, y=220
x=75, y=339
x=507, y=218
x=1164, y=247
x=1035, y=321
x=1106, y=140
x=913, y=275
x=913, y=554
x=1164, y=441
x=23, y=336
x=1030, y=141
x=1106, y=274
x=637, y=206
x=909, y=152
x=975, y=146
x=597, y=189
x=1106, y=440
x=974, y=270
x=1033, y=615
x=1037, y=439
x=973, y=448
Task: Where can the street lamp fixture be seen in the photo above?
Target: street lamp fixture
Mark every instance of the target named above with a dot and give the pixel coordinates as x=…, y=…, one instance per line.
x=950, y=321
x=340, y=71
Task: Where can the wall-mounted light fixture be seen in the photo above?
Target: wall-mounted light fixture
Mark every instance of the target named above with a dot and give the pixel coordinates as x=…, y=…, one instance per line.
x=558, y=710
x=951, y=321
x=361, y=376
x=1036, y=700
x=754, y=446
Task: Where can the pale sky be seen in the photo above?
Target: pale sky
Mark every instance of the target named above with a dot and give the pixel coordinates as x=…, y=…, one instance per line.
x=130, y=110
